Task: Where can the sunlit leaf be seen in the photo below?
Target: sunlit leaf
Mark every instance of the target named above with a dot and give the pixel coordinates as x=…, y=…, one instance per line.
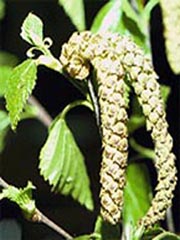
x=137, y=196
x=109, y=18
x=32, y=30
x=106, y=230
x=22, y=197
x=62, y=164
x=5, y=72
x=19, y=87
x=75, y=10
x=148, y=9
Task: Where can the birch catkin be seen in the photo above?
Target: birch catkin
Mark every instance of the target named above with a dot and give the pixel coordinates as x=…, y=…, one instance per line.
x=112, y=57
x=171, y=21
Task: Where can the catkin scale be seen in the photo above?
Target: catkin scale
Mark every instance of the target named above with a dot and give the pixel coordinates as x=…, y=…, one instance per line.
x=113, y=57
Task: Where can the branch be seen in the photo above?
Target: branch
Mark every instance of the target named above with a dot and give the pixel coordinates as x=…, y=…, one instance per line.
x=41, y=218
x=43, y=115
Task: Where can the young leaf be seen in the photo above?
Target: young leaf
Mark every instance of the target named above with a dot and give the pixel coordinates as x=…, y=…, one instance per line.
x=22, y=197
x=32, y=30
x=19, y=87
x=5, y=72
x=62, y=164
x=75, y=10
x=137, y=196
x=109, y=18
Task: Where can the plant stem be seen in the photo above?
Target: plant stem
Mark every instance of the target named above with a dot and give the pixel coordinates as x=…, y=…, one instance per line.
x=41, y=218
x=75, y=104
x=3, y=183
x=42, y=115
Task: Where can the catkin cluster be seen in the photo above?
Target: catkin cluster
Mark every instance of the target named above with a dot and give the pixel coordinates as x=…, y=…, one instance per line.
x=113, y=57
x=171, y=20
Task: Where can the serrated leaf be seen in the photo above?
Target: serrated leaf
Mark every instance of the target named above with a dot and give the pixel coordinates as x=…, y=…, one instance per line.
x=62, y=164
x=22, y=197
x=137, y=196
x=109, y=18
x=5, y=72
x=106, y=230
x=19, y=87
x=32, y=30
x=75, y=10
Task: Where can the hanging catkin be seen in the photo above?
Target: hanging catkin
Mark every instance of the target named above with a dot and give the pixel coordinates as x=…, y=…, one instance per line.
x=112, y=57
x=171, y=17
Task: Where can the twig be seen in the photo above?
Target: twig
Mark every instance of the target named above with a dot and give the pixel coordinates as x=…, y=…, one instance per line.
x=169, y=220
x=3, y=183
x=43, y=115
x=41, y=218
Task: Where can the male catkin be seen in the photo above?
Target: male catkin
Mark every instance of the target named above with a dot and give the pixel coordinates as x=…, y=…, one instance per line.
x=113, y=57
x=171, y=16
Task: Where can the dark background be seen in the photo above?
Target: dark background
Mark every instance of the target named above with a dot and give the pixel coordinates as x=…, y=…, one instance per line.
x=19, y=160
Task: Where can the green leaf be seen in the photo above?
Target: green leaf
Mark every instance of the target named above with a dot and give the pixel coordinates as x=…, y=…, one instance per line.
x=75, y=10
x=62, y=164
x=165, y=92
x=4, y=127
x=167, y=236
x=32, y=30
x=5, y=72
x=109, y=18
x=137, y=197
x=19, y=87
x=106, y=230
x=22, y=197
x=148, y=9
x=132, y=22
